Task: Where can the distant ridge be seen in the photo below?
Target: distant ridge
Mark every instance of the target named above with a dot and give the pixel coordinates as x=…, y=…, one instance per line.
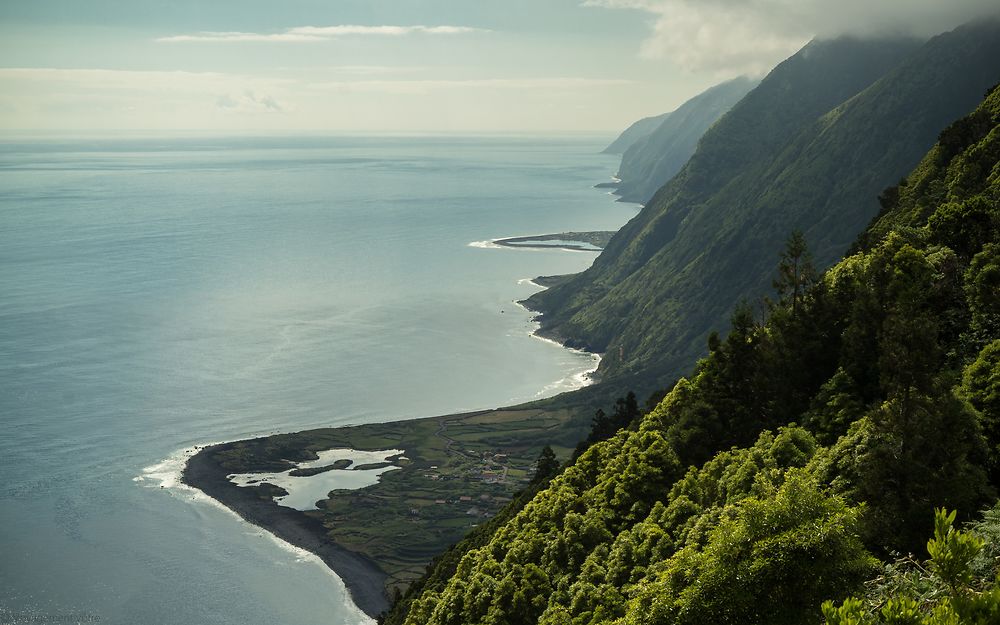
x=652, y=160
x=634, y=133
x=809, y=148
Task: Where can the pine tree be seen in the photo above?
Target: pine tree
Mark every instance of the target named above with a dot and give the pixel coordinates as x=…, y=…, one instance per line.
x=546, y=466
x=796, y=272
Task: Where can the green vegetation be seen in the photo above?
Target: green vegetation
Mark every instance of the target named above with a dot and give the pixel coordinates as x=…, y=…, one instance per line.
x=339, y=465
x=715, y=507
x=546, y=466
x=459, y=473
x=810, y=149
x=569, y=240
x=605, y=551
x=957, y=585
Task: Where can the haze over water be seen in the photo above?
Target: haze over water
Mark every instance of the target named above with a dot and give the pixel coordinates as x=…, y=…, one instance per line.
x=163, y=293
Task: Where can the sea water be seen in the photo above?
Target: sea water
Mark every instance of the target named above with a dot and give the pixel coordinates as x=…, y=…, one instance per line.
x=157, y=294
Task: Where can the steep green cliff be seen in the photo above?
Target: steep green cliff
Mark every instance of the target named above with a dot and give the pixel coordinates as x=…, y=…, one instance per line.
x=810, y=149
x=716, y=508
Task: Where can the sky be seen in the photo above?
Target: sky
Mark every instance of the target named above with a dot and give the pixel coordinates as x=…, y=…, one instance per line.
x=403, y=66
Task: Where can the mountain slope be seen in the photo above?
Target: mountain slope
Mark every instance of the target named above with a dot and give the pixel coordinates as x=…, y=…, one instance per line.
x=634, y=133
x=700, y=514
x=654, y=159
x=808, y=149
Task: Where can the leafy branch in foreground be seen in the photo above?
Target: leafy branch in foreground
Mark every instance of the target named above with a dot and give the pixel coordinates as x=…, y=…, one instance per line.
x=945, y=590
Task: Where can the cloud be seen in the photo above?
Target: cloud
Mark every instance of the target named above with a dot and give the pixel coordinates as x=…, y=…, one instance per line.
x=320, y=33
x=134, y=80
x=248, y=102
x=369, y=70
x=340, y=31
x=750, y=36
x=97, y=100
x=426, y=86
x=108, y=78
x=94, y=98
x=234, y=36
x=123, y=96
x=199, y=82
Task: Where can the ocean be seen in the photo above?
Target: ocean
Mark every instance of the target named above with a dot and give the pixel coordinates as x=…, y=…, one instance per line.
x=157, y=294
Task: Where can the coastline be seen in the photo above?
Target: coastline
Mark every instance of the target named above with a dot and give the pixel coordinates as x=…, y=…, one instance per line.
x=593, y=241
x=367, y=582
x=363, y=578
x=583, y=379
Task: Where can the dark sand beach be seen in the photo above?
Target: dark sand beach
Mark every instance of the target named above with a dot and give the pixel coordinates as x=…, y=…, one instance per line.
x=363, y=578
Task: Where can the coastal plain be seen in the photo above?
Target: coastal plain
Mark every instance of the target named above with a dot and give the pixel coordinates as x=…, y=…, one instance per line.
x=456, y=472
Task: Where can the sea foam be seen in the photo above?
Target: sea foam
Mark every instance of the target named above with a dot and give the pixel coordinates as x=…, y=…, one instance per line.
x=573, y=381
x=492, y=244
x=167, y=475
x=487, y=245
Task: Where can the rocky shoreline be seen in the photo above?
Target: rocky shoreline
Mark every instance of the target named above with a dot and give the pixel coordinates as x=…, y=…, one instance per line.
x=364, y=579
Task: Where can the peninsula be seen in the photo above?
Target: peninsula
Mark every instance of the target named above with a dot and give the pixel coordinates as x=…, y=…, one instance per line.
x=457, y=471
x=578, y=241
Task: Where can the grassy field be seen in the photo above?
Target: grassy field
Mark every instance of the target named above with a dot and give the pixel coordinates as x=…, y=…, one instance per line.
x=457, y=471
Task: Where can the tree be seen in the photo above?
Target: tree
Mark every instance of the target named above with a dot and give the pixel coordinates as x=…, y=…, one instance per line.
x=963, y=226
x=731, y=380
x=942, y=591
x=909, y=354
x=835, y=407
x=546, y=466
x=981, y=386
x=904, y=460
x=603, y=426
x=769, y=560
x=795, y=271
x=982, y=290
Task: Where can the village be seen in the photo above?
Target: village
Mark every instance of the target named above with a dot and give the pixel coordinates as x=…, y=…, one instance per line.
x=487, y=467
